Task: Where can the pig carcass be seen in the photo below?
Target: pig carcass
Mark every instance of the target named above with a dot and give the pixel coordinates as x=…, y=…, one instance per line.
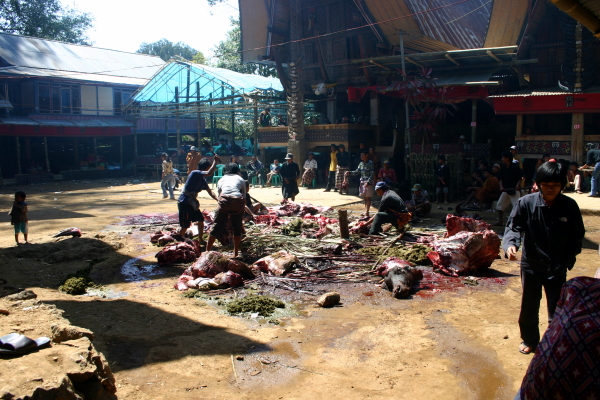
x=390, y=263
x=456, y=224
x=465, y=252
x=212, y=263
x=276, y=264
x=180, y=252
x=401, y=279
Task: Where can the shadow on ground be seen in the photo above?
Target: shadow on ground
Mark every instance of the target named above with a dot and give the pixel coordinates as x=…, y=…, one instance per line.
x=132, y=334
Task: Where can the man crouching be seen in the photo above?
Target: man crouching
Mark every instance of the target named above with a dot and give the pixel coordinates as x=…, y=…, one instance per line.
x=391, y=210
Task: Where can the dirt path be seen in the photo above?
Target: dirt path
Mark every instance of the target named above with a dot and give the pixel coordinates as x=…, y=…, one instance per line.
x=459, y=343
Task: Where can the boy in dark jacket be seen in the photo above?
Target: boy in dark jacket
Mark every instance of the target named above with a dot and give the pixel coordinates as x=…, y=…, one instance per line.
x=18, y=216
x=551, y=228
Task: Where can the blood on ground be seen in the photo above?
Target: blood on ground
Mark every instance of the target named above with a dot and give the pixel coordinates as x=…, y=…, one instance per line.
x=433, y=283
x=150, y=219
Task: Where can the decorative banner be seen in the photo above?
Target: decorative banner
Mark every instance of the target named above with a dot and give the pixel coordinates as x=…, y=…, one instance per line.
x=559, y=148
x=554, y=103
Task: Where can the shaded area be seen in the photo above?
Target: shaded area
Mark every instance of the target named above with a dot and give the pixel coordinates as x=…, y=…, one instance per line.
x=42, y=214
x=152, y=335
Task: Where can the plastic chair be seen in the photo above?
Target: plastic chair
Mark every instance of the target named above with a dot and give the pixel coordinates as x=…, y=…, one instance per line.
x=314, y=183
x=218, y=174
x=276, y=180
x=254, y=178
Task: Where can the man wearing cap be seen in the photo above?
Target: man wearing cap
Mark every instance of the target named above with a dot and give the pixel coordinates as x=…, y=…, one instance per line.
x=264, y=119
x=593, y=160
x=391, y=209
x=343, y=165
x=516, y=157
x=332, y=169
x=310, y=170
x=290, y=172
x=192, y=159
x=419, y=203
x=254, y=168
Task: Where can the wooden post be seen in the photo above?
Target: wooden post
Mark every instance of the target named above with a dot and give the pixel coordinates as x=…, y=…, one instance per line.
x=177, y=126
x=46, y=152
x=135, y=140
x=519, y=125
x=255, y=150
x=577, y=138
x=473, y=131
x=199, y=124
x=18, y=155
x=343, y=217
x=121, y=151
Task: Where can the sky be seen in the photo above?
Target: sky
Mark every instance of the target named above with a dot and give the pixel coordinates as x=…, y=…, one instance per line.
x=125, y=24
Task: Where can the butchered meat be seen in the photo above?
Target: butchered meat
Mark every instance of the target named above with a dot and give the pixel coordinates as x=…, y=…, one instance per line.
x=456, y=224
x=465, y=252
x=180, y=252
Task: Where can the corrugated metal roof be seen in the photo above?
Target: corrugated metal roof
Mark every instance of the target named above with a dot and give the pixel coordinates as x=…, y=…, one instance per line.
x=38, y=55
x=78, y=76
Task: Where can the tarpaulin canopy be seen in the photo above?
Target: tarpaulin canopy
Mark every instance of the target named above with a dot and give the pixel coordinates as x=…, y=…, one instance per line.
x=186, y=87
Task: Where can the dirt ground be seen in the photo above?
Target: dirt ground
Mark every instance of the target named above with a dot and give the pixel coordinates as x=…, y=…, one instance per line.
x=456, y=344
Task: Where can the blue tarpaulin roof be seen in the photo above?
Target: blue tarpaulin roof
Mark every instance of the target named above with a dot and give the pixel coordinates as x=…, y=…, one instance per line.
x=213, y=83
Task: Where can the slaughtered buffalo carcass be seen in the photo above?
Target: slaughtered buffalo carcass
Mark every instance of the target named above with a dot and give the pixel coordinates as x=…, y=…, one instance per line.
x=390, y=263
x=456, y=224
x=465, y=252
x=180, y=252
x=215, y=265
x=276, y=264
x=401, y=279
x=73, y=232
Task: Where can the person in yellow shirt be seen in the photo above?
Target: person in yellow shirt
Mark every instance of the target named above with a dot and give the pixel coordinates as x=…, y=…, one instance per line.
x=332, y=168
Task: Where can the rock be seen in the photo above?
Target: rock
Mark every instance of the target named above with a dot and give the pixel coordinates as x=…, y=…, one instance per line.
x=63, y=333
x=84, y=374
x=24, y=295
x=329, y=299
x=4, y=312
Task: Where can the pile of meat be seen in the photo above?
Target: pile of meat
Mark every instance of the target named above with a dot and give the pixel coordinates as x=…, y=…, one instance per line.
x=290, y=209
x=276, y=264
x=180, y=252
x=214, y=269
x=470, y=246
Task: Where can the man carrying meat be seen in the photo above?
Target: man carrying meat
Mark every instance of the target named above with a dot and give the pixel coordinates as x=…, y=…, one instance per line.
x=188, y=204
x=551, y=228
x=391, y=209
x=510, y=178
x=192, y=159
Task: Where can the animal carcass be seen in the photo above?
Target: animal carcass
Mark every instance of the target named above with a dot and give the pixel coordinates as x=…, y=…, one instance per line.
x=390, y=263
x=456, y=224
x=212, y=263
x=73, y=232
x=178, y=252
x=401, y=279
x=465, y=252
x=277, y=263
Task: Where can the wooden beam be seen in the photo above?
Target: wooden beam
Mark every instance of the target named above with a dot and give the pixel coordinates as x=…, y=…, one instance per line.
x=469, y=67
x=495, y=57
x=379, y=65
x=449, y=57
x=579, y=14
x=413, y=62
x=453, y=53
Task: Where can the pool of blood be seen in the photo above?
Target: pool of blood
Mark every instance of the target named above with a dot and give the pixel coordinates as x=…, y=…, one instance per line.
x=433, y=283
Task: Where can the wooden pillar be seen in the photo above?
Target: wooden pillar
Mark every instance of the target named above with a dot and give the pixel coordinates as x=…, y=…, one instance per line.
x=199, y=115
x=255, y=150
x=577, y=138
x=473, y=131
x=519, y=125
x=135, y=140
x=95, y=148
x=27, y=149
x=121, y=151
x=46, y=153
x=177, y=124
x=18, y=156
x=76, y=150
x=343, y=218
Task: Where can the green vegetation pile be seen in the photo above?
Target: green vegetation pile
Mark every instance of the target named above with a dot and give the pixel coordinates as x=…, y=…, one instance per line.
x=254, y=303
x=416, y=254
x=297, y=225
x=77, y=283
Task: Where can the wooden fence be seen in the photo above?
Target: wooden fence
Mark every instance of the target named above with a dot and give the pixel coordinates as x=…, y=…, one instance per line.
x=422, y=167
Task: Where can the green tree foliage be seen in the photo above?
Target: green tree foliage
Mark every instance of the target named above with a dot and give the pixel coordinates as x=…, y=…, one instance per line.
x=199, y=58
x=166, y=50
x=228, y=56
x=47, y=19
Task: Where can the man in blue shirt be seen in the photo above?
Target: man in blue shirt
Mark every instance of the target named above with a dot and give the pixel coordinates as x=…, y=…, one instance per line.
x=188, y=204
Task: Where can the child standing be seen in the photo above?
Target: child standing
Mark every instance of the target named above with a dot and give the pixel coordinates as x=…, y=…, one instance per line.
x=18, y=214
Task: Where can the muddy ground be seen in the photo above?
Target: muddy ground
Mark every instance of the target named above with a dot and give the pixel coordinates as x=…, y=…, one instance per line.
x=459, y=343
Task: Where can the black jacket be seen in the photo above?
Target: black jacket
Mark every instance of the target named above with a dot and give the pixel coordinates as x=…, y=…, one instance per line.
x=391, y=201
x=343, y=159
x=552, y=236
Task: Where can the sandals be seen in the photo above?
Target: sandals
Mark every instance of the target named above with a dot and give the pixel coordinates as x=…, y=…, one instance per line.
x=15, y=344
x=524, y=348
